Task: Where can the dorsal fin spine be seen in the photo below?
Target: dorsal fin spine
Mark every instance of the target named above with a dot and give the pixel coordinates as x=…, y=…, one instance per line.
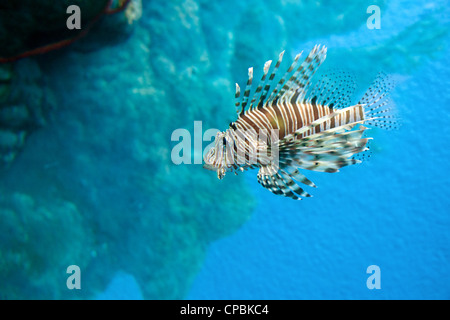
x=261, y=84
x=269, y=83
x=283, y=79
x=301, y=77
x=237, y=94
x=247, y=90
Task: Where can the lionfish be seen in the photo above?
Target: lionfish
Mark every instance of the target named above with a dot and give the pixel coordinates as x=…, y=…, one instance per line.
x=299, y=125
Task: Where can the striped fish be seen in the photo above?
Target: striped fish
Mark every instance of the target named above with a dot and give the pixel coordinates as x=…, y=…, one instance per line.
x=299, y=125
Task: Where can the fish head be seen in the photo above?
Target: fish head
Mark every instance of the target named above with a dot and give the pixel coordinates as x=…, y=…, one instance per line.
x=215, y=157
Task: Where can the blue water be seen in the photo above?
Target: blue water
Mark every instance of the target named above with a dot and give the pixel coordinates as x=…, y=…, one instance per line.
x=392, y=212
x=95, y=185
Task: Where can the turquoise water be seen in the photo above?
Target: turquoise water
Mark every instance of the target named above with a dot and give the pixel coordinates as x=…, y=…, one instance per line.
x=93, y=184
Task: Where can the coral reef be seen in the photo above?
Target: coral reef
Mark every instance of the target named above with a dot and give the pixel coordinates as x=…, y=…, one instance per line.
x=133, y=11
x=104, y=157
x=33, y=257
x=40, y=23
x=24, y=101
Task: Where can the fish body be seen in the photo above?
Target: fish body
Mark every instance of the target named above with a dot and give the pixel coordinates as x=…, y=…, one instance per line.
x=299, y=125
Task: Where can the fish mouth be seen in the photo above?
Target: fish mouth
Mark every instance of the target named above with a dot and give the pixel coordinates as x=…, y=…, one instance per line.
x=220, y=170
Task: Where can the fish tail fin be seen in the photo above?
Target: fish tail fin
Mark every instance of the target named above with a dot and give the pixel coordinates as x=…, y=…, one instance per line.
x=379, y=110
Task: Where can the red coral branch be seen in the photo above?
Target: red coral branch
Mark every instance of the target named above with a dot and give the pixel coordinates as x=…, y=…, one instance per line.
x=63, y=43
x=120, y=8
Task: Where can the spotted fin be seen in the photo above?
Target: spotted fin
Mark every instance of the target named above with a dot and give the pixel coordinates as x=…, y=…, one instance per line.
x=335, y=89
x=378, y=107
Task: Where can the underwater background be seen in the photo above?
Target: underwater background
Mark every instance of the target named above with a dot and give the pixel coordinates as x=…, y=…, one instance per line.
x=87, y=178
